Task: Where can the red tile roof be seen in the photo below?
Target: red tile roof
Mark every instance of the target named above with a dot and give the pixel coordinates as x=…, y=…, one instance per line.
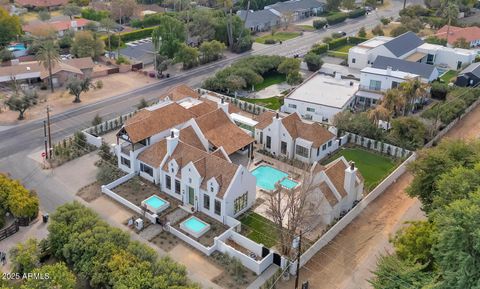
x=60, y=25
x=469, y=33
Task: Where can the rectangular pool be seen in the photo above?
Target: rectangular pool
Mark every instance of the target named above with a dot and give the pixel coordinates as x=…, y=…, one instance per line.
x=155, y=204
x=194, y=226
x=268, y=176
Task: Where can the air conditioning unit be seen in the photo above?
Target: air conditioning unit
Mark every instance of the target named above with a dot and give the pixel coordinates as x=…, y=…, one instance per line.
x=139, y=224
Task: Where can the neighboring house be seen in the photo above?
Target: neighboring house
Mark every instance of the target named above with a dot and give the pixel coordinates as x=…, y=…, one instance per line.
x=386, y=73
x=293, y=138
x=337, y=186
x=140, y=52
x=471, y=34
x=321, y=97
x=59, y=26
x=410, y=47
x=295, y=10
x=183, y=144
x=261, y=20
x=32, y=72
x=470, y=76
x=45, y=4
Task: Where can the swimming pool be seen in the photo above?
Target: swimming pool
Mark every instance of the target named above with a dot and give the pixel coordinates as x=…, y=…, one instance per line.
x=194, y=226
x=17, y=47
x=155, y=204
x=268, y=176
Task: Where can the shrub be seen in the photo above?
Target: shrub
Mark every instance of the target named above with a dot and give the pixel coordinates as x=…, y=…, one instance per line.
x=354, y=40
x=270, y=41
x=385, y=20
x=398, y=30
x=122, y=60
x=97, y=120
x=357, y=13
x=107, y=173
x=336, y=18
x=128, y=36
x=336, y=43
x=377, y=30
x=439, y=90
x=362, y=32
x=95, y=15
x=16, y=199
x=99, y=84
x=314, y=61
x=319, y=48
x=319, y=24
x=436, y=40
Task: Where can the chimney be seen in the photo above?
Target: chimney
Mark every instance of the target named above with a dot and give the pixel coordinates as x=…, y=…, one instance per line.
x=223, y=105
x=172, y=140
x=350, y=178
x=389, y=70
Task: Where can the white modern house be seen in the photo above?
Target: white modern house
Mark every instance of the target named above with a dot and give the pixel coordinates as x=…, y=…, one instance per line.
x=337, y=186
x=386, y=73
x=321, y=97
x=410, y=47
x=293, y=138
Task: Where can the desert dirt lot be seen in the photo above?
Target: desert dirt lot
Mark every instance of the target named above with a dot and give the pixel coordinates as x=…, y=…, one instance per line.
x=61, y=100
x=348, y=260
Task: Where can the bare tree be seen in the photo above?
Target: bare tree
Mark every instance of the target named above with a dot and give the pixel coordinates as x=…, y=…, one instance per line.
x=295, y=209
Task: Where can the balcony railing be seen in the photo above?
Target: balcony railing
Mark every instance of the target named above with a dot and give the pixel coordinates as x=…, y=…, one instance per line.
x=370, y=88
x=127, y=147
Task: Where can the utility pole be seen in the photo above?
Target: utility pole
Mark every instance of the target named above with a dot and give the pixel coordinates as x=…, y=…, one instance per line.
x=45, y=138
x=404, y=3
x=49, y=134
x=299, y=253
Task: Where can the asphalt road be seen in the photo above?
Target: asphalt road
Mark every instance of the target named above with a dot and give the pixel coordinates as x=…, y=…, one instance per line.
x=54, y=188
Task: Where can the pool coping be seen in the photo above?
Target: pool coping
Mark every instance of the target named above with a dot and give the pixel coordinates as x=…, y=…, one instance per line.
x=287, y=177
x=155, y=210
x=191, y=232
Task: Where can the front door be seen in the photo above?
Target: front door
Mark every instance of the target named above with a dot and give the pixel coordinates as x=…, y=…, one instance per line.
x=191, y=196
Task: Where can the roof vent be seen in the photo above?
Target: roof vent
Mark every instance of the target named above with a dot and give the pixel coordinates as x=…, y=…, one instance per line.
x=172, y=135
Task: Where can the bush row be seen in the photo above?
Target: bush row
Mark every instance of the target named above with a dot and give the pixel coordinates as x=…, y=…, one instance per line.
x=336, y=18
x=357, y=13
x=128, y=36
x=16, y=199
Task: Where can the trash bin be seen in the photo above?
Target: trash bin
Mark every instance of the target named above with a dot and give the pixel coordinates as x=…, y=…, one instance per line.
x=45, y=217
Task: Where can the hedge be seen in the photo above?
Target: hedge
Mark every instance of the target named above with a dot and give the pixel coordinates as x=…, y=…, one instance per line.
x=129, y=36
x=319, y=48
x=95, y=15
x=357, y=13
x=336, y=18
x=319, y=24
x=336, y=43
x=354, y=40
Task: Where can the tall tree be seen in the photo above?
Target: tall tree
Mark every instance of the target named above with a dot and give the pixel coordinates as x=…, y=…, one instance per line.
x=71, y=10
x=48, y=55
x=60, y=277
x=25, y=256
x=188, y=56
x=108, y=24
x=77, y=86
x=87, y=44
x=21, y=102
x=10, y=27
x=169, y=35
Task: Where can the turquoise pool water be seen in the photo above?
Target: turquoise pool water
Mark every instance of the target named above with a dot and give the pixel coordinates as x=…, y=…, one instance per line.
x=267, y=177
x=16, y=47
x=155, y=202
x=195, y=225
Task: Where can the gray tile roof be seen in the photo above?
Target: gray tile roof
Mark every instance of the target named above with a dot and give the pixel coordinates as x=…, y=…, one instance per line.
x=403, y=43
x=296, y=5
x=473, y=68
x=142, y=52
x=259, y=17
x=422, y=69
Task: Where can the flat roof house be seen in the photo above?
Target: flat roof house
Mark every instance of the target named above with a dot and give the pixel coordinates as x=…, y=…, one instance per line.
x=470, y=76
x=321, y=97
x=410, y=47
x=471, y=34
x=293, y=138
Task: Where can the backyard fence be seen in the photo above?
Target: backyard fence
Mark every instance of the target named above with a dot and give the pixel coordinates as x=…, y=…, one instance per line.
x=375, y=145
x=241, y=104
x=106, y=189
x=10, y=230
x=352, y=214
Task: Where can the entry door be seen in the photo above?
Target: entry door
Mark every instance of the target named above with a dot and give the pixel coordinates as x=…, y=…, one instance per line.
x=191, y=196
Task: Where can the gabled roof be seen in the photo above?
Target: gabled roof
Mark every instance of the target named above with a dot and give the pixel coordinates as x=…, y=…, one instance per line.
x=57, y=25
x=222, y=132
x=422, y=69
x=473, y=68
x=180, y=92
x=336, y=173
x=328, y=193
x=259, y=17
x=147, y=123
x=188, y=135
x=403, y=44
x=202, y=108
x=264, y=119
x=58, y=67
x=80, y=63
x=154, y=154
x=313, y=132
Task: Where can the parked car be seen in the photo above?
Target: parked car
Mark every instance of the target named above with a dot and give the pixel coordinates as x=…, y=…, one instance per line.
x=343, y=33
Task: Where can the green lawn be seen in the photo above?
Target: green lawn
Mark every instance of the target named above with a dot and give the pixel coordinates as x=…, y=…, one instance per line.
x=278, y=36
x=272, y=102
x=306, y=27
x=447, y=76
x=259, y=229
x=373, y=166
x=344, y=48
x=270, y=79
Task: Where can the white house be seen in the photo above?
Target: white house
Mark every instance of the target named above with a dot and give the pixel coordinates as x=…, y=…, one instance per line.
x=321, y=97
x=410, y=47
x=184, y=147
x=386, y=73
x=337, y=186
x=292, y=138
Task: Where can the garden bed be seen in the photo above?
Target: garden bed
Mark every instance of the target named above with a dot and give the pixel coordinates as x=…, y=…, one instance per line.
x=235, y=275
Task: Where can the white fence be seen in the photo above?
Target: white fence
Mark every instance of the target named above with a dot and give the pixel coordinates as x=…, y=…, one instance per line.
x=93, y=133
x=353, y=213
x=205, y=250
x=375, y=145
x=241, y=104
x=106, y=189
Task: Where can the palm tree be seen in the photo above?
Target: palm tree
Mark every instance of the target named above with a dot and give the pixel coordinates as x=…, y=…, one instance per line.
x=450, y=11
x=408, y=90
x=47, y=55
x=393, y=100
x=108, y=24
x=378, y=113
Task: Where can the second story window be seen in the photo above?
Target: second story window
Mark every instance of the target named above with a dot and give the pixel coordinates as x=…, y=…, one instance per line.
x=375, y=84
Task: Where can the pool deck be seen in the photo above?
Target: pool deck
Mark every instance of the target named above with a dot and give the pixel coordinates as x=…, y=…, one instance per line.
x=207, y=239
